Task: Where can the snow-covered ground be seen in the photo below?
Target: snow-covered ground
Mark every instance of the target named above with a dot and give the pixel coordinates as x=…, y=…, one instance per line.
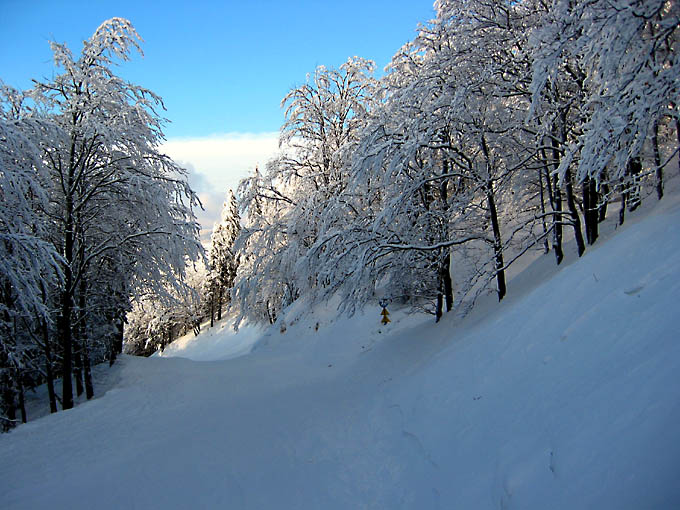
x=214, y=344
x=566, y=395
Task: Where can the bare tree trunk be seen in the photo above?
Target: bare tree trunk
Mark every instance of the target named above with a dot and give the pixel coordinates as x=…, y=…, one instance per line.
x=89, y=387
x=624, y=195
x=657, y=160
x=448, y=284
x=546, y=245
x=22, y=399
x=622, y=210
x=64, y=328
x=444, y=287
x=677, y=132
x=49, y=374
x=495, y=225
x=80, y=336
x=555, y=195
x=219, y=301
x=78, y=367
x=64, y=323
x=590, y=210
x=497, y=241
x=634, y=199
x=212, y=308
x=8, y=399
x=7, y=392
x=119, y=337
x=575, y=220
x=445, y=265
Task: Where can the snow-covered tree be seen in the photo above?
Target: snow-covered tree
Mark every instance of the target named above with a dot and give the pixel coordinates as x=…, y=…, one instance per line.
x=284, y=210
x=156, y=320
x=222, y=257
x=628, y=53
x=113, y=195
x=29, y=265
x=439, y=164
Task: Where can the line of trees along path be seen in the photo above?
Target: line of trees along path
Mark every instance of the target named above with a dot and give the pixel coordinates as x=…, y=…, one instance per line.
x=93, y=216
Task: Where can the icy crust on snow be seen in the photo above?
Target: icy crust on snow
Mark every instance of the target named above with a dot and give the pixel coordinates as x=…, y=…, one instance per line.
x=564, y=397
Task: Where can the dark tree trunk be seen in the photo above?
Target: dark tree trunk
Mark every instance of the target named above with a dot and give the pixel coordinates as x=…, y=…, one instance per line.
x=119, y=339
x=448, y=284
x=657, y=160
x=49, y=374
x=594, y=212
x=546, y=245
x=497, y=241
x=22, y=399
x=495, y=225
x=80, y=336
x=89, y=387
x=624, y=195
x=64, y=329
x=590, y=210
x=7, y=398
x=634, y=199
x=212, y=309
x=116, y=340
x=10, y=409
x=444, y=288
x=677, y=132
x=575, y=220
x=622, y=210
x=555, y=195
x=78, y=367
x=587, y=206
x=445, y=267
x=64, y=323
x=219, y=301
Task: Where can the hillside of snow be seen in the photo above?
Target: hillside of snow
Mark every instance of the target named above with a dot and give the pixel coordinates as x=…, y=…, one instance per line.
x=564, y=396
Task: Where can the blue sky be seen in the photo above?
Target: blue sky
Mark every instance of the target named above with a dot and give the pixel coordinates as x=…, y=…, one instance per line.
x=222, y=68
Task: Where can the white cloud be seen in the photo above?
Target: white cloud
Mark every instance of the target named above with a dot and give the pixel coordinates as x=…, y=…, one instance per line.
x=212, y=208
x=217, y=163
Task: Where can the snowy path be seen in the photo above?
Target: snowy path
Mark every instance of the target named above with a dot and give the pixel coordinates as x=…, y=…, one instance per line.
x=568, y=397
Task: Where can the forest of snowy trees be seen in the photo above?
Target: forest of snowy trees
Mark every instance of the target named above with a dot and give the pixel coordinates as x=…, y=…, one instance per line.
x=93, y=216
x=503, y=127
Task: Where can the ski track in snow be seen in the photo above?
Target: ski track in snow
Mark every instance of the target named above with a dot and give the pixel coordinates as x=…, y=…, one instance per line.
x=566, y=395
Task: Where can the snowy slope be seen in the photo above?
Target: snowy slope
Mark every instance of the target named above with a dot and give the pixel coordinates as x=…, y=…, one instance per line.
x=214, y=344
x=567, y=395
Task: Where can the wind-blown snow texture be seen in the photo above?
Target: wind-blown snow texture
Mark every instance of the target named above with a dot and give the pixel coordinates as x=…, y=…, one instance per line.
x=565, y=396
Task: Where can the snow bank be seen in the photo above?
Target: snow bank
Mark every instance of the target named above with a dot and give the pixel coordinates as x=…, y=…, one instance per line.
x=220, y=342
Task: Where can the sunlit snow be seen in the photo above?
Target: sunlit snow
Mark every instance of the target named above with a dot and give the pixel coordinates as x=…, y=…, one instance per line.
x=567, y=395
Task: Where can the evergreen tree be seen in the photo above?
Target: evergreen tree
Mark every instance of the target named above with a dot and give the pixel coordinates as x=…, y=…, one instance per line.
x=223, y=259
